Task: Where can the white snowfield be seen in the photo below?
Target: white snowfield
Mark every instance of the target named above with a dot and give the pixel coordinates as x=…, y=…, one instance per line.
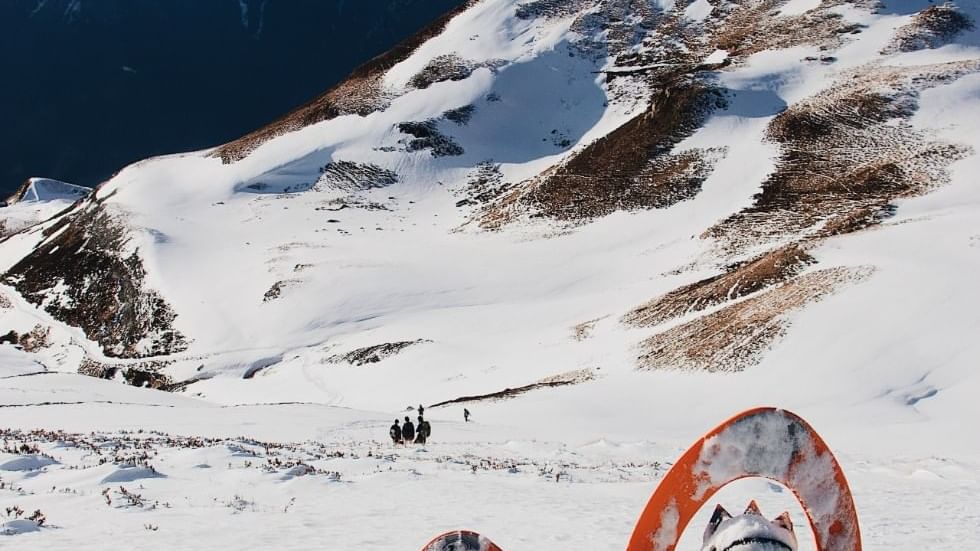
x=275, y=274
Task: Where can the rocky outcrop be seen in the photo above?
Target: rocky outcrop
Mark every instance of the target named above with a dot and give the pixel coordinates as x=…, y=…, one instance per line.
x=563, y=379
x=372, y=354
x=85, y=274
x=352, y=177
x=140, y=374
x=426, y=136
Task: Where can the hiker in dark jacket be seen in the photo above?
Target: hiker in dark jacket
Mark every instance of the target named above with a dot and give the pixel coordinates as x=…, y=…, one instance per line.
x=408, y=431
x=421, y=410
x=395, y=432
x=466, y=415
x=423, y=431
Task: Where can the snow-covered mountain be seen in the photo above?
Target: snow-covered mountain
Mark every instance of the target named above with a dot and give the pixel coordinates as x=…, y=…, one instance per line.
x=627, y=215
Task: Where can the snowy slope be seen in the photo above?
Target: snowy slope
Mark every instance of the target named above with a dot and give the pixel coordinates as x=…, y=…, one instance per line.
x=37, y=200
x=646, y=215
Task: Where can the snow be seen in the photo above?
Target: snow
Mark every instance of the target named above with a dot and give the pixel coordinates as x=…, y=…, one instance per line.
x=46, y=189
x=41, y=199
x=797, y=7
x=19, y=526
x=699, y=10
x=31, y=462
x=667, y=534
x=884, y=370
x=130, y=474
x=13, y=363
x=716, y=56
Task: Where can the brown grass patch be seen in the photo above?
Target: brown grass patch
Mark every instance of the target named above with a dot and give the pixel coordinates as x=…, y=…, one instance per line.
x=630, y=168
x=751, y=27
x=846, y=153
x=736, y=336
x=738, y=281
x=930, y=28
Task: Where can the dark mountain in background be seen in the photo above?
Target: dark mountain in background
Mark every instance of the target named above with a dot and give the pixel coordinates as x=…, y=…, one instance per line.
x=92, y=85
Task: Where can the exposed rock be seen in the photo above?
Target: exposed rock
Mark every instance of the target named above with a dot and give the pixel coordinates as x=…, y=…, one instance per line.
x=484, y=185
x=584, y=330
x=277, y=288
x=461, y=115
x=351, y=177
x=38, y=338
x=426, y=135
x=84, y=274
x=551, y=8
x=563, y=379
x=142, y=374
x=373, y=354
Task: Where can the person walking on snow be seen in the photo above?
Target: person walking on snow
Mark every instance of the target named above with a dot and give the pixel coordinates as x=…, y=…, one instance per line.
x=422, y=431
x=408, y=431
x=421, y=411
x=395, y=432
x=466, y=415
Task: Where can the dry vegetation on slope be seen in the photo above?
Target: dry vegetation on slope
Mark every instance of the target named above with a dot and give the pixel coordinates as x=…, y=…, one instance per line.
x=630, y=168
x=635, y=167
x=846, y=153
x=739, y=280
x=735, y=337
x=931, y=28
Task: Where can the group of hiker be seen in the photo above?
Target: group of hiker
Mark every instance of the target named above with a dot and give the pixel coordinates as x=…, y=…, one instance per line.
x=408, y=432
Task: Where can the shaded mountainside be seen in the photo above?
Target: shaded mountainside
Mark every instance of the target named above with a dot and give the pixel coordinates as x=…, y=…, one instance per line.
x=699, y=179
x=103, y=83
